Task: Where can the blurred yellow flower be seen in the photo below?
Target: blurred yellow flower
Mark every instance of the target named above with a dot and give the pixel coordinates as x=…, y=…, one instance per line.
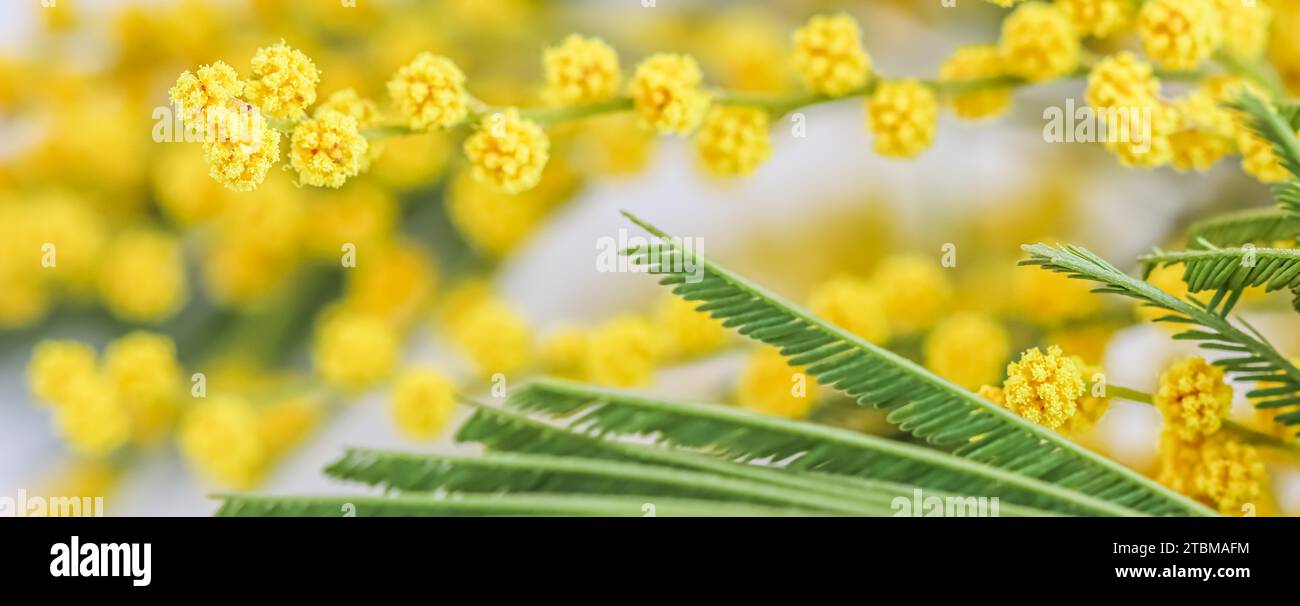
x=828, y=55
x=1245, y=27
x=973, y=63
x=901, y=116
x=622, y=352
x=353, y=351
x=219, y=437
x=142, y=275
x=915, y=290
x=769, y=385
x=733, y=141
x=564, y=353
x=1230, y=474
x=968, y=349
x=1179, y=34
x=1099, y=18
x=494, y=337
x=423, y=402
x=92, y=421
x=1039, y=42
x=854, y=305
x=57, y=365
x=146, y=378
x=580, y=70
x=687, y=332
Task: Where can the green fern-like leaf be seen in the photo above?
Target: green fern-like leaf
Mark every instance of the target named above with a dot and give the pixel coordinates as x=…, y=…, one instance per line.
x=531, y=473
x=1248, y=356
x=917, y=400
x=1256, y=225
x=489, y=505
x=803, y=448
x=1229, y=271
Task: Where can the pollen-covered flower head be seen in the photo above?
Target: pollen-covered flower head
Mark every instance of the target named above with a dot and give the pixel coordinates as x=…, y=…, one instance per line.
x=1099, y=18
x=733, y=141
x=580, y=70
x=508, y=152
x=1229, y=475
x=241, y=162
x=902, y=116
x=1193, y=398
x=1179, y=34
x=828, y=55
x=1122, y=80
x=666, y=93
x=210, y=86
x=1039, y=42
x=1091, y=406
x=327, y=150
x=973, y=63
x=423, y=402
x=430, y=92
x=1044, y=387
x=283, y=81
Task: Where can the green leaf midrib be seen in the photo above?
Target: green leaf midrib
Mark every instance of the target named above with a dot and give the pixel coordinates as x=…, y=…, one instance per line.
x=832, y=435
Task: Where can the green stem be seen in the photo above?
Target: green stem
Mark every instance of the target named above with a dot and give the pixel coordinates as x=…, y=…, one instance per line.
x=1246, y=434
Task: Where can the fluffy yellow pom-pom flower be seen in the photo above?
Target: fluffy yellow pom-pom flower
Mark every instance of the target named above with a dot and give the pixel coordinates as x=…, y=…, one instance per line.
x=58, y=365
x=828, y=55
x=327, y=150
x=915, y=290
x=854, y=305
x=1193, y=398
x=622, y=352
x=1091, y=406
x=1230, y=474
x=430, y=92
x=769, y=385
x=142, y=277
x=1044, y=387
x=1039, y=42
x=1121, y=80
x=508, y=152
x=1099, y=18
x=666, y=93
x=209, y=87
x=349, y=103
x=423, y=401
x=974, y=63
x=283, y=81
x=354, y=350
x=733, y=141
x=1179, y=34
x=241, y=162
x=580, y=70
x=902, y=116
x=968, y=349
x=219, y=437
